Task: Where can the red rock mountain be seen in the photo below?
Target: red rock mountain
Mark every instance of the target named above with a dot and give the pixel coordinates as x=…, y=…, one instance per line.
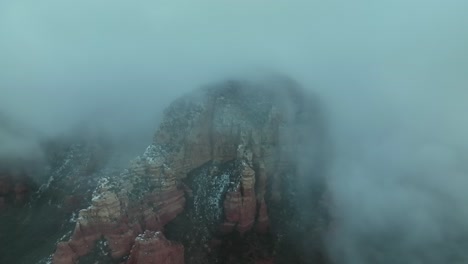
x=234, y=175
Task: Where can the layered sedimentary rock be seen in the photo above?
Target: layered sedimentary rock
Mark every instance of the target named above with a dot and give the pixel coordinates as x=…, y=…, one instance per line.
x=216, y=179
x=120, y=212
x=153, y=248
x=240, y=205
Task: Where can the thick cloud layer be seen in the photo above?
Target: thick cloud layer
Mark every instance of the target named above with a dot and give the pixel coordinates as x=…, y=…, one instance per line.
x=392, y=74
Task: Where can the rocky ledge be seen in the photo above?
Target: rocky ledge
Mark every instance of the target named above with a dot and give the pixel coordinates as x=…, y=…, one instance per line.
x=222, y=182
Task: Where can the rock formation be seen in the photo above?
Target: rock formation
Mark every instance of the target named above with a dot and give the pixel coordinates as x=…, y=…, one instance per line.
x=220, y=180
x=42, y=193
x=153, y=248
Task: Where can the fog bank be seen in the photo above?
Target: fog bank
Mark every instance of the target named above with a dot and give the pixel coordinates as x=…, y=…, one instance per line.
x=392, y=75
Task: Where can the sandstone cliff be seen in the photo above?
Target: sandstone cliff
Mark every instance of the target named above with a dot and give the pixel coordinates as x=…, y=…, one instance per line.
x=218, y=184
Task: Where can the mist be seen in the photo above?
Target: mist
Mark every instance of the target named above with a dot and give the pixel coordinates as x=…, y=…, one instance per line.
x=392, y=74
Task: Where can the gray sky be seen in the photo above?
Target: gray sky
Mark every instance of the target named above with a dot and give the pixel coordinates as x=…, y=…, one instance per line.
x=393, y=75
x=63, y=59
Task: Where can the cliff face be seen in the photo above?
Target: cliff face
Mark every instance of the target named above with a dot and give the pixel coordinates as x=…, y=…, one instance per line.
x=220, y=180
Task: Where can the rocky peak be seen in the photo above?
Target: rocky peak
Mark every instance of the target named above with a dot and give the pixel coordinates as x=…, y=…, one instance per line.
x=220, y=180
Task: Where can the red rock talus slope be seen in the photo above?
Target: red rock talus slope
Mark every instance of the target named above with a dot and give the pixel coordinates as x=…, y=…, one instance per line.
x=221, y=158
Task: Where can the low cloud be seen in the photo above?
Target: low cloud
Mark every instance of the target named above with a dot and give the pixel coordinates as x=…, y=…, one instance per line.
x=392, y=75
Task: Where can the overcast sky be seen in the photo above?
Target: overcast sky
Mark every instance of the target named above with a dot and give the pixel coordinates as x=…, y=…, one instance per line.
x=66, y=59
x=393, y=75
